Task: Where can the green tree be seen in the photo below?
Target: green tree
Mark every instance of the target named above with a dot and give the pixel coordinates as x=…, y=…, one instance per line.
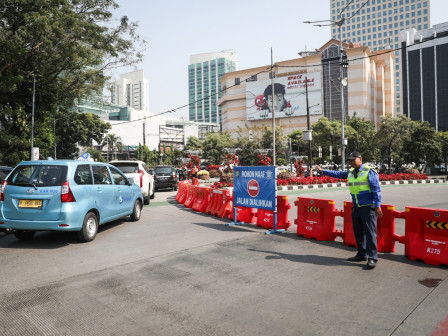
x=443, y=139
x=247, y=156
x=193, y=143
x=423, y=145
x=280, y=141
x=327, y=133
x=213, y=147
x=361, y=138
x=298, y=145
x=63, y=47
x=76, y=128
x=391, y=136
x=113, y=145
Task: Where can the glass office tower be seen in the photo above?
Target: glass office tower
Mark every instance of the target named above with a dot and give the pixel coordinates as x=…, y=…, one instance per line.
x=204, y=73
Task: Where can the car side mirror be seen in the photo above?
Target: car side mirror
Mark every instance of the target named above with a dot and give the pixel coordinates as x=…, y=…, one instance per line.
x=130, y=180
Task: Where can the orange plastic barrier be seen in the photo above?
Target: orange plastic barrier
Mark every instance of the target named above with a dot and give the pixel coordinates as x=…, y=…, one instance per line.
x=283, y=207
x=225, y=207
x=181, y=196
x=202, y=199
x=217, y=201
x=190, y=196
x=243, y=215
x=212, y=202
x=426, y=235
x=316, y=218
x=265, y=218
x=386, y=236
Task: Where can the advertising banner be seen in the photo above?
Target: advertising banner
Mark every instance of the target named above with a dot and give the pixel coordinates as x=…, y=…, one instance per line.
x=289, y=96
x=254, y=187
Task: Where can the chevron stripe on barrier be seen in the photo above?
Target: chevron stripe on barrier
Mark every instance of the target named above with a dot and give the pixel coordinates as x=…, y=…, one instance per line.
x=437, y=225
x=313, y=209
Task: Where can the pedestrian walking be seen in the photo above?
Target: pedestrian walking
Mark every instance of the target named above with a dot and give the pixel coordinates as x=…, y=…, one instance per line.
x=366, y=196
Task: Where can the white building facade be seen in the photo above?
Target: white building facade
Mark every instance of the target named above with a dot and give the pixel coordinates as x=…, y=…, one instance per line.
x=131, y=89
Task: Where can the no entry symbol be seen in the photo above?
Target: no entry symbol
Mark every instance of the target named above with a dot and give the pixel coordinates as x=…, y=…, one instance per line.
x=253, y=188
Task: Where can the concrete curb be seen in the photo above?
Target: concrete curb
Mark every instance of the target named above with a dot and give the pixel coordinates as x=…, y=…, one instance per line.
x=343, y=184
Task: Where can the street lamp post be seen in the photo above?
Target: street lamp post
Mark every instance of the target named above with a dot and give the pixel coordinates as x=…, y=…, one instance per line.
x=343, y=81
x=343, y=65
x=54, y=136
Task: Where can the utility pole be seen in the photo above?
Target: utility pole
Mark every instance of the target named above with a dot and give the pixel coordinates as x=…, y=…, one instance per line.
x=273, y=109
x=144, y=132
x=32, y=119
x=310, y=152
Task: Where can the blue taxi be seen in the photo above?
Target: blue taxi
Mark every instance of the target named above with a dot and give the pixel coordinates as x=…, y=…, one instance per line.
x=66, y=195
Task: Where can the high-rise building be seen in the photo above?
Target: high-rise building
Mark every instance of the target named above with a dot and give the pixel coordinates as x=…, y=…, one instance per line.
x=377, y=24
x=204, y=87
x=131, y=89
x=425, y=80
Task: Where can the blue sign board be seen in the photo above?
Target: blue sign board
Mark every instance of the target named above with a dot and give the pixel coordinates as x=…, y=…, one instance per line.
x=254, y=187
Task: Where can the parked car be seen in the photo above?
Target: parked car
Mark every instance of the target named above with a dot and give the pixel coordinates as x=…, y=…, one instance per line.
x=66, y=195
x=165, y=177
x=4, y=171
x=141, y=174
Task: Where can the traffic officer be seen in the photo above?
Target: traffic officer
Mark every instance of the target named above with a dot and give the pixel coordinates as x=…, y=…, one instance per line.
x=366, y=196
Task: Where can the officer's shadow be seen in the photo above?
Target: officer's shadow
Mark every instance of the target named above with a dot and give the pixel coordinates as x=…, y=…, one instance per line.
x=308, y=258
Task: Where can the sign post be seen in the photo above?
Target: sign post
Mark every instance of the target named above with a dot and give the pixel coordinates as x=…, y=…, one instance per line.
x=255, y=187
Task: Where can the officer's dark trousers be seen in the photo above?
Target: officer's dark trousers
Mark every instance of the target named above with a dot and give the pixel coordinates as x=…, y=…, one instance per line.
x=364, y=227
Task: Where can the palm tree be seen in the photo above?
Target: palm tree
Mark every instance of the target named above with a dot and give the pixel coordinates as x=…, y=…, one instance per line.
x=113, y=143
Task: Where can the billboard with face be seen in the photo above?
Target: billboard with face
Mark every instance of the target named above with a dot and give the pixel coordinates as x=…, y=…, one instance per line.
x=289, y=98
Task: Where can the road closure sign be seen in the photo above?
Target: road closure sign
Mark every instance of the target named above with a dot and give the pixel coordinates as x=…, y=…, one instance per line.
x=254, y=187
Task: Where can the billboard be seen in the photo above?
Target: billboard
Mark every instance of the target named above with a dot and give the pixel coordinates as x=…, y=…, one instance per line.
x=289, y=96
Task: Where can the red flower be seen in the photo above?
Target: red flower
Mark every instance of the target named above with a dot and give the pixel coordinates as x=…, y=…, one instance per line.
x=264, y=160
x=213, y=166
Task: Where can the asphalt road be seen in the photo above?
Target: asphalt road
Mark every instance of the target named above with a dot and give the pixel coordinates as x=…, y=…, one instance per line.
x=176, y=272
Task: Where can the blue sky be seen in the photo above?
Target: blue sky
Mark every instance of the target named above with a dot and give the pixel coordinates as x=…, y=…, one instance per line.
x=175, y=30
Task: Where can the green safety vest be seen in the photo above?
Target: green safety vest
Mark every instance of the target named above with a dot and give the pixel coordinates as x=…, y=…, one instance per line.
x=359, y=185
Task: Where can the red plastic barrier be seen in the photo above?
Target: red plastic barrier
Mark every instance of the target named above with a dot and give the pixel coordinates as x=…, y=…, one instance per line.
x=225, y=207
x=265, y=218
x=385, y=227
x=181, y=196
x=316, y=218
x=426, y=235
x=190, y=196
x=202, y=199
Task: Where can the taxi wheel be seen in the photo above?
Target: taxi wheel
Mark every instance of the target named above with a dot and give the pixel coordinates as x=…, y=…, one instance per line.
x=24, y=235
x=146, y=200
x=89, y=228
x=135, y=216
